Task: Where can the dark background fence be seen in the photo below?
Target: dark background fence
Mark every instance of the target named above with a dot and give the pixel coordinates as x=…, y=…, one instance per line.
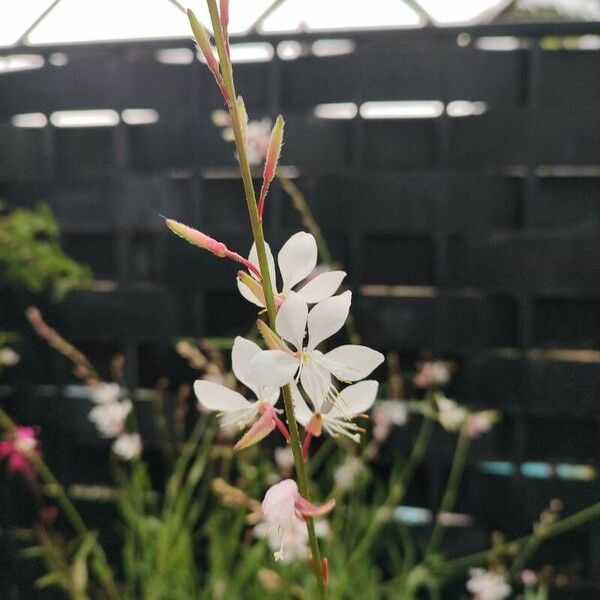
x=474, y=238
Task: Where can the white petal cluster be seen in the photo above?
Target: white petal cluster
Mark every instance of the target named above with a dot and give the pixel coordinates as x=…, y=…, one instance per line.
x=487, y=585
x=308, y=314
x=297, y=260
x=109, y=415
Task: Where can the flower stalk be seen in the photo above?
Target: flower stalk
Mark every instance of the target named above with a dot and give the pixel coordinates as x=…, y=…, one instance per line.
x=257, y=232
x=459, y=463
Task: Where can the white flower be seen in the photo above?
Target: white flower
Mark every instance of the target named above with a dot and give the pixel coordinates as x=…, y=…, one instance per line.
x=452, y=416
x=9, y=357
x=336, y=419
x=480, y=422
x=386, y=414
x=433, y=374
x=314, y=369
x=297, y=259
x=282, y=508
x=345, y=475
x=110, y=418
x=234, y=408
x=487, y=585
x=128, y=446
x=295, y=538
x=284, y=458
x=258, y=134
x=106, y=393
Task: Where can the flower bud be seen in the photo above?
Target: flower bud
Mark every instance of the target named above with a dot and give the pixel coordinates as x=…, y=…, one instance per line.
x=202, y=40
x=197, y=238
x=272, y=340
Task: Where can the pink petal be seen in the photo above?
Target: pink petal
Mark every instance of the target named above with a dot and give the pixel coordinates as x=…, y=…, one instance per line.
x=260, y=430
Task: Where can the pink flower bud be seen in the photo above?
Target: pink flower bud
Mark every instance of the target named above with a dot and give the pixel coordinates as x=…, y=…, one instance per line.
x=197, y=238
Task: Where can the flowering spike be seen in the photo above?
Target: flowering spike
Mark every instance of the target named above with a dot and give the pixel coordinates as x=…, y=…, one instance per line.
x=205, y=48
x=271, y=162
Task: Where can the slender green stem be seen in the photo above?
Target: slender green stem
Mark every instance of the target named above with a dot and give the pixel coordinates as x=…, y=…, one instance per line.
x=459, y=565
x=259, y=240
x=396, y=492
x=57, y=491
x=459, y=463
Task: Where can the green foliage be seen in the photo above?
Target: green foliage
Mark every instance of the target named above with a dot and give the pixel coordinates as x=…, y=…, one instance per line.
x=31, y=255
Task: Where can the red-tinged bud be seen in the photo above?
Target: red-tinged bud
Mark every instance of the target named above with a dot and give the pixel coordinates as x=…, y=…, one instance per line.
x=325, y=570
x=206, y=49
x=224, y=15
x=271, y=162
x=197, y=238
x=202, y=40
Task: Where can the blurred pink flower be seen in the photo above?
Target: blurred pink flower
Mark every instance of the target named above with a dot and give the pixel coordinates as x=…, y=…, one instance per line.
x=17, y=450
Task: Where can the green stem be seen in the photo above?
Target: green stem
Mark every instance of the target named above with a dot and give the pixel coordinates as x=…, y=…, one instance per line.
x=396, y=492
x=459, y=463
x=259, y=240
x=57, y=491
x=460, y=565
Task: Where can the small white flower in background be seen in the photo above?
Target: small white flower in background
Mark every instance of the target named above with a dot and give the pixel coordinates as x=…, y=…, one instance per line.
x=282, y=508
x=106, y=393
x=487, y=585
x=433, y=374
x=258, y=134
x=110, y=418
x=284, y=458
x=8, y=357
x=297, y=260
x=314, y=369
x=480, y=422
x=345, y=476
x=387, y=414
x=234, y=408
x=128, y=446
x=529, y=578
x=452, y=416
x=336, y=418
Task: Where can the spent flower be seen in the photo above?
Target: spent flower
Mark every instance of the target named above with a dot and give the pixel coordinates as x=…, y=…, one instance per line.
x=17, y=450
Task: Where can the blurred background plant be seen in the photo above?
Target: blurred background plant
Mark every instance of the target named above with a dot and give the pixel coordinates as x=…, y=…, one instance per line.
x=31, y=254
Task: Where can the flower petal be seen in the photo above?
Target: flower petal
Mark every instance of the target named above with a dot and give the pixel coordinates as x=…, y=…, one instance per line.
x=355, y=399
x=274, y=368
x=242, y=353
x=308, y=509
x=321, y=287
x=351, y=363
x=297, y=259
x=327, y=317
x=260, y=430
x=217, y=397
x=291, y=320
x=253, y=258
x=240, y=418
x=303, y=412
x=316, y=381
